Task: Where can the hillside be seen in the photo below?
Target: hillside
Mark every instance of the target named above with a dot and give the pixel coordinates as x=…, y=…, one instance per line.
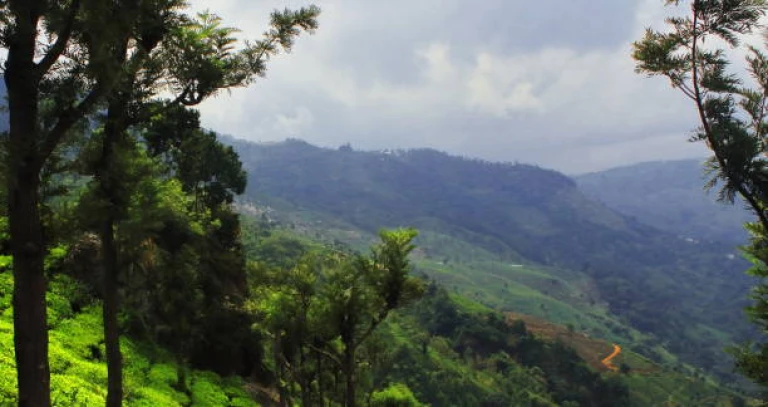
x=442, y=370
x=649, y=383
x=451, y=350
x=578, y=253
x=78, y=368
x=668, y=195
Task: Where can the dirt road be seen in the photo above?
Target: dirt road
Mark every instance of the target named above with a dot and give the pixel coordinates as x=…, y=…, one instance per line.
x=607, y=361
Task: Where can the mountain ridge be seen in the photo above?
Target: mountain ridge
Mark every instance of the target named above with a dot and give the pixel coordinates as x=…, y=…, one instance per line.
x=686, y=293
x=669, y=195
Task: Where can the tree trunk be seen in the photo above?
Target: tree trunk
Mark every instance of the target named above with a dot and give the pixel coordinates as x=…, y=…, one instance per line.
x=320, y=382
x=110, y=314
x=181, y=374
x=26, y=229
x=282, y=391
x=349, y=372
x=109, y=185
x=29, y=307
x=305, y=378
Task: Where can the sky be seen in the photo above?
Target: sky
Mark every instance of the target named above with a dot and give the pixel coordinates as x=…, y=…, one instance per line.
x=545, y=82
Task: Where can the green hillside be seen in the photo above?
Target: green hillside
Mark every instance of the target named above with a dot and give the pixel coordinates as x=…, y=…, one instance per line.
x=450, y=349
x=481, y=221
x=78, y=369
x=447, y=349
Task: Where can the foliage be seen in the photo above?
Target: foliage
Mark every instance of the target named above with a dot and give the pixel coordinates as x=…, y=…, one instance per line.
x=66, y=59
x=490, y=337
x=405, y=349
x=210, y=171
x=325, y=309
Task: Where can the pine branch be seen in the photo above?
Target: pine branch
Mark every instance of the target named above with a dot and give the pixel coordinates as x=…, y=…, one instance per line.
x=60, y=45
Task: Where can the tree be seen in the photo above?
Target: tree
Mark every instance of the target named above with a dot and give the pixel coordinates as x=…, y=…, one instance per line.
x=71, y=56
x=692, y=55
x=38, y=36
x=396, y=395
x=361, y=294
x=197, y=57
x=283, y=302
x=208, y=170
x=321, y=312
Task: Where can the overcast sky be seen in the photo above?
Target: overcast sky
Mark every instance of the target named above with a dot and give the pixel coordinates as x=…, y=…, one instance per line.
x=548, y=82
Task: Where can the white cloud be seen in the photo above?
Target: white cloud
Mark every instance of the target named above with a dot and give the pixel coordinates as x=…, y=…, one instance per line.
x=440, y=68
x=407, y=74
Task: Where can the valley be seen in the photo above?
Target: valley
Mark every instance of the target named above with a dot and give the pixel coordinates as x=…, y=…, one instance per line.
x=519, y=239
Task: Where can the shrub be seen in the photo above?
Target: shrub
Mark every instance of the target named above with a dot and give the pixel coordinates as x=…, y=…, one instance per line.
x=207, y=393
x=396, y=395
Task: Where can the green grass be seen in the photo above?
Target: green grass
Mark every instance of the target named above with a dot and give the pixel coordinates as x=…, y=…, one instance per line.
x=558, y=296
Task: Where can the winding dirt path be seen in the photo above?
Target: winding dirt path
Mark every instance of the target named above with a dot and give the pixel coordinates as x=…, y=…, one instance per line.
x=607, y=361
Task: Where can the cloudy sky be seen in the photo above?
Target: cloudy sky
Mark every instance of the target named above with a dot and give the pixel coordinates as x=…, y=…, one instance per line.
x=548, y=82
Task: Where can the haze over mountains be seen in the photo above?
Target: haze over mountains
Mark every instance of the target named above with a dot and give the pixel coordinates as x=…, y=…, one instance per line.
x=480, y=219
x=669, y=195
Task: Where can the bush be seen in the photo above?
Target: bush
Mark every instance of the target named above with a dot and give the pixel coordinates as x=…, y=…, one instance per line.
x=73, y=391
x=8, y=386
x=207, y=393
x=396, y=395
x=152, y=397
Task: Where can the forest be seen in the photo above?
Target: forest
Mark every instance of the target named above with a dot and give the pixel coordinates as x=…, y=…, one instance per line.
x=146, y=260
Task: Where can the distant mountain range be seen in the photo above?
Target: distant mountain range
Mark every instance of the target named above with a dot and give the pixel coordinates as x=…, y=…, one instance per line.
x=668, y=195
x=688, y=292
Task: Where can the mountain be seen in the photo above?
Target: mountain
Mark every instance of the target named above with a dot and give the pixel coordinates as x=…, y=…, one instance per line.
x=533, y=239
x=669, y=195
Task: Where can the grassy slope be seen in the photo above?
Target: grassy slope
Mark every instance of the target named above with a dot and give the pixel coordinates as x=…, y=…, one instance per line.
x=78, y=373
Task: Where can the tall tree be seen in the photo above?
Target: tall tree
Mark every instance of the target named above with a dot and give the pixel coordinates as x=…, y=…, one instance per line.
x=198, y=57
x=42, y=63
x=693, y=56
x=75, y=53
x=211, y=174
